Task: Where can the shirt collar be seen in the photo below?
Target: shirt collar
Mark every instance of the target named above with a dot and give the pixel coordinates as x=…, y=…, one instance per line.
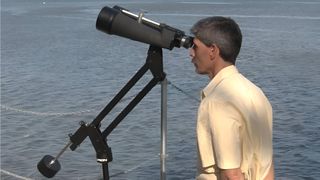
x=222, y=74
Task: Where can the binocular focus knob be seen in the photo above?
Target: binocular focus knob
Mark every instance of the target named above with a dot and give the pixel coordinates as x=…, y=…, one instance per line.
x=48, y=166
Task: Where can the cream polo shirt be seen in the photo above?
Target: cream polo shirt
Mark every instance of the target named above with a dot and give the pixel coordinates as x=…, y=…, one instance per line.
x=234, y=127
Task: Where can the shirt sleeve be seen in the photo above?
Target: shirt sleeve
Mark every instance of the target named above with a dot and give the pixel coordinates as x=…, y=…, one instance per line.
x=225, y=129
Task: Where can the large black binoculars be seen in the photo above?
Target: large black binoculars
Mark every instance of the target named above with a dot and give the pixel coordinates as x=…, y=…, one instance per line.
x=121, y=22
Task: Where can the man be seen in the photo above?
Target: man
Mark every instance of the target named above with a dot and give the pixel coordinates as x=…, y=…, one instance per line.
x=234, y=125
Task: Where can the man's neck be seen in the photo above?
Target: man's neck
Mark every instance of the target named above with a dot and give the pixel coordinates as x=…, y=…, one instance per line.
x=218, y=67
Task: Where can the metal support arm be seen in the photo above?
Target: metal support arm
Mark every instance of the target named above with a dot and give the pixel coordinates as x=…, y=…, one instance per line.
x=99, y=139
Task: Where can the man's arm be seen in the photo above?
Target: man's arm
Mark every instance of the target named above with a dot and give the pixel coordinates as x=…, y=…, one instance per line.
x=236, y=174
x=231, y=174
x=270, y=175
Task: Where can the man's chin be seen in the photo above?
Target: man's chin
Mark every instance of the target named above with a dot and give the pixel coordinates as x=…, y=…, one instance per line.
x=200, y=72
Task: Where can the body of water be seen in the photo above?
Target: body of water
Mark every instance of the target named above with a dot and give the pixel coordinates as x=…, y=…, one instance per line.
x=57, y=70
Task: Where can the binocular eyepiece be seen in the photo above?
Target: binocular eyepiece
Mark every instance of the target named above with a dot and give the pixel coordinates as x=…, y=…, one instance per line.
x=121, y=22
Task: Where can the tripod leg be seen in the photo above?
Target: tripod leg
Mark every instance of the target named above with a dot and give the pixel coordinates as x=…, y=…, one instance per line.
x=105, y=171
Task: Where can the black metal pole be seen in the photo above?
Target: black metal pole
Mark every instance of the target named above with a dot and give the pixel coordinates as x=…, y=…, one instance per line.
x=98, y=138
x=130, y=106
x=105, y=171
x=155, y=64
x=78, y=137
x=121, y=94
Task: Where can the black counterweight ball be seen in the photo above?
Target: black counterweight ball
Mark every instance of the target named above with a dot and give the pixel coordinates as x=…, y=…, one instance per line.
x=48, y=166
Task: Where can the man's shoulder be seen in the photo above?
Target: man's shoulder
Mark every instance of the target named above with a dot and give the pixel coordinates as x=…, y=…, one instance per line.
x=236, y=88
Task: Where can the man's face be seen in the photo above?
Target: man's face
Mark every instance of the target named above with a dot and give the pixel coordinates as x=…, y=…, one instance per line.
x=200, y=57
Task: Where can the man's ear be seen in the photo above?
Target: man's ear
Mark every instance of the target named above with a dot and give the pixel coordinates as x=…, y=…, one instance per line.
x=214, y=51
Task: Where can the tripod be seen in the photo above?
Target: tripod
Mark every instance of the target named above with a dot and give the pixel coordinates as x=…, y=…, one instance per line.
x=49, y=165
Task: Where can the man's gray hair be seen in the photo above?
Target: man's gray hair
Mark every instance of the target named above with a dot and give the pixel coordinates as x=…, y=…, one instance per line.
x=221, y=31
